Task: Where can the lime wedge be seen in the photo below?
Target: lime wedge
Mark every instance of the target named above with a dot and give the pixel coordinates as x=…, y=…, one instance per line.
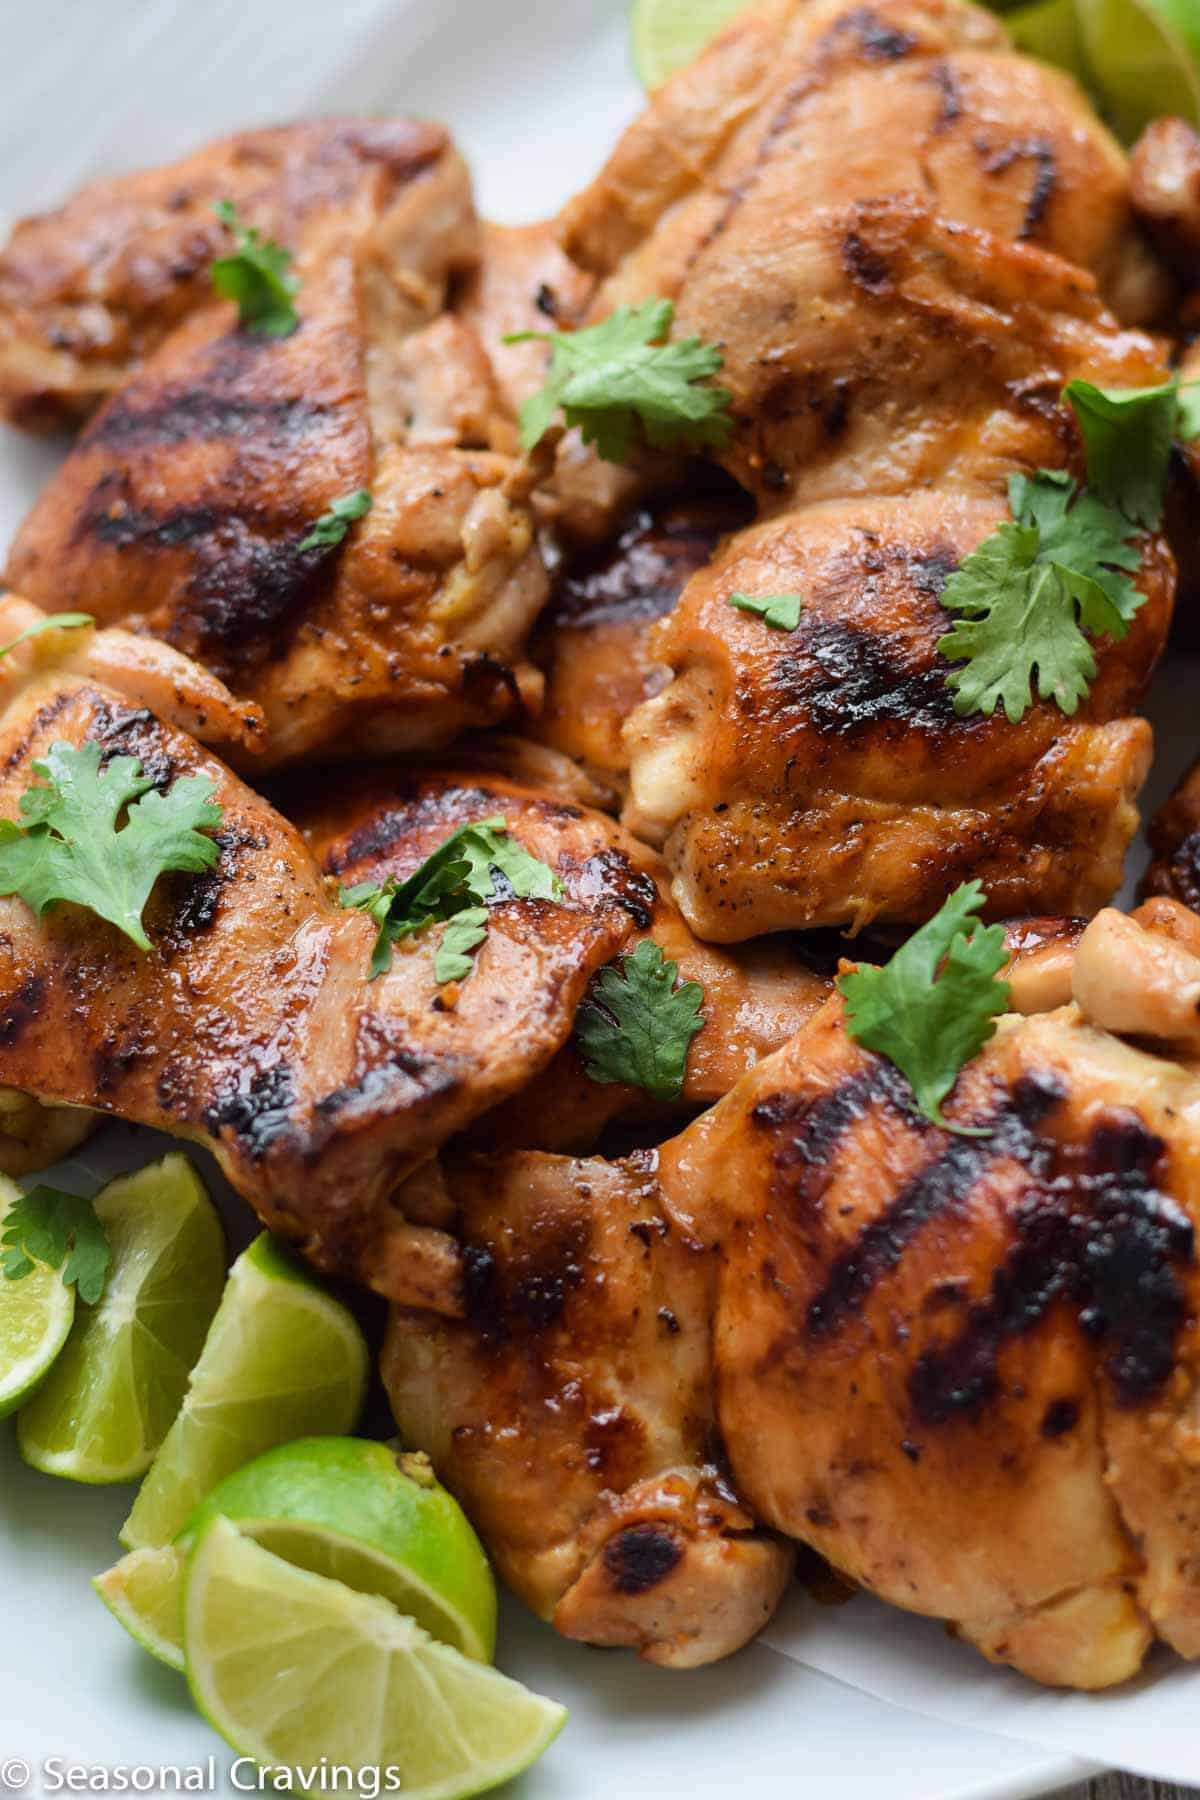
x=341, y=1507
x=292, y=1667
x=666, y=35
x=282, y=1360
x=35, y=1318
x=144, y=1591
x=108, y=1402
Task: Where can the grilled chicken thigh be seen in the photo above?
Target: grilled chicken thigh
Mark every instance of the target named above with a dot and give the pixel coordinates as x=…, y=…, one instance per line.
x=754, y=1000
x=184, y=507
x=898, y=314
x=962, y=1368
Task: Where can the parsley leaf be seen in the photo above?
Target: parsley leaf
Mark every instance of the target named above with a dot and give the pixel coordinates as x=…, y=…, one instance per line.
x=612, y=377
x=66, y=621
x=930, y=1022
x=1028, y=593
x=256, y=276
x=477, y=863
x=636, y=1025
x=782, y=611
x=333, y=525
x=1128, y=435
x=61, y=1230
x=68, y=845
x=464, y=934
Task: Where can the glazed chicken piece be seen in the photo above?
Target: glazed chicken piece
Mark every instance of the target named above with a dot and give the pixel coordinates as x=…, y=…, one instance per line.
x=183, y=508
x=396, y=816
x=593, y=640
x=1174, y=835
x=251, y=1027
x=822, y=776
x=897, y=317
x=963, y=1369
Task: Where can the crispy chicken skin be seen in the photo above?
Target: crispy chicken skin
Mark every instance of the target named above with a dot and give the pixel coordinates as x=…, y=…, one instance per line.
x=183, y=507
x=822, y=776
x=754, y=1000
x=250, y=1026
x=1174, y=834
x=961, y=1368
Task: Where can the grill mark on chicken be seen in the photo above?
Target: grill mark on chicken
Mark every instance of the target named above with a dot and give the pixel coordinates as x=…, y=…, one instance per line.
x=643, y=574
x=943, y=1183
x=858, y=682
x=257, y=1108
x=609, y=875
x=394, y=827
x=1097, y=1234
x=810, y=1126
x=865, y=265
x=21, y=1009
x=878, y=42
x=639, y=1557
x=205, y=414
x=1045, y=178
x=132, y=731
x=524, y=1296
x=950, y=93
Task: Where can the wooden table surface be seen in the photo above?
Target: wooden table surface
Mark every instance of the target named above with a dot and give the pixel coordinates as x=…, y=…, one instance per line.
x=1127, y=1787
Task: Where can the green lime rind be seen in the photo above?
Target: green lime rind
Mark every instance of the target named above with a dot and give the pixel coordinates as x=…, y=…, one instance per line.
x=666, y=35
x=291, y=1667
x=108, y=1402
x=283, y=1360
x=36, y=1314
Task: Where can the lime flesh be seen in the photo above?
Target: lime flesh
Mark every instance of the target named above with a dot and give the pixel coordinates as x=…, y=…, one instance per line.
x=108, y=1402
x=282, y=1360
x=666, y=35
x=340, y=1507
x=35, y=1319
x=291, y=1667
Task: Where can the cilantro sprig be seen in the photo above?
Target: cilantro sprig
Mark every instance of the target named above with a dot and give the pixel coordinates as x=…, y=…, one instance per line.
x=478, y=863
x=333, y=525
x=1128, y=434
x=780, y=611
x=1026, y=597
x=636, y=1025
x=257, y=276
x=622, y=377
x=935, y=1004
x=70, y=846
x=64, y=621
x=61, y=1230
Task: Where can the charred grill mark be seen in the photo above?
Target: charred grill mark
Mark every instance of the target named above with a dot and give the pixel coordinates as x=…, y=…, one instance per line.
x=405, y=823
x=951, y=101
x=641, y=1556
x=1097, y=1235
x=1184, y=866
x=206, y=414
x=491, y=687
x=20, y=1009
x=878, y=42
x=1060, y=1417
x=809, y=1127
x=942, y=1184
x=132, y=731
x=527, y=1296
x=609, y=875
x=867, y=267
x=428, y=1078
x=117, y=1054
x=644, y=574
x=851, y=680
x=1040, y=151
x=196, y=899
x=42, y=720
x=256, y=1107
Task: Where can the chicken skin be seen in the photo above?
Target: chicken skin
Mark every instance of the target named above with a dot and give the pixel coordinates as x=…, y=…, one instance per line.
x=754, y=1000
x=897, y=317
x=186, y=507
x=961, y=1368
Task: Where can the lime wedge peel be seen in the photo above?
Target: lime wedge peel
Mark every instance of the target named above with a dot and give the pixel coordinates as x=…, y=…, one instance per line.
x=282, y=1360
x=344, y=1508
x=36, y=1313
x=292, y=1668
x=108, y=1401
x=666, y=35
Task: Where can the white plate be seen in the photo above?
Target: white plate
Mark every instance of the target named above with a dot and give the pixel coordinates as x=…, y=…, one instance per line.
x=535, y=91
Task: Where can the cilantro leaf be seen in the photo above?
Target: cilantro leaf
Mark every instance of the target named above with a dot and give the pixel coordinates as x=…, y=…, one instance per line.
x=256, y=276
x=61, y=1230
x=64, y=621
x=464, y=934
x=926, y=1021
x=68, y=845
x=636, y=1025
x=618, y=375
x=1128, y=435
x=333, y=525
x=1026, y=595
x=476, y=864
x=782, y=611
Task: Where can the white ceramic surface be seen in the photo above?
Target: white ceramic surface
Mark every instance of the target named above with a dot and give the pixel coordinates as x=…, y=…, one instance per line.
x=535, y=93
